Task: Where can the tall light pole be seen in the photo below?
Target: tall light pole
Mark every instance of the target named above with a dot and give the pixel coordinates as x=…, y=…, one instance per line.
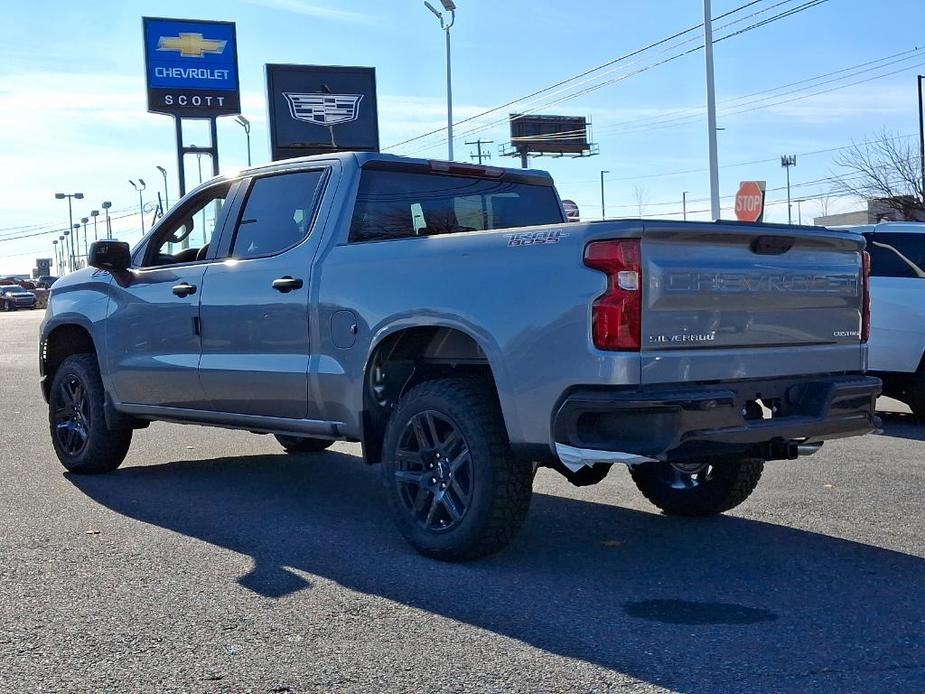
x=70, y=218
x=788, y=160
x=246, y=124
x=95, y=214
x=84, y=220
x=61, y=240
x=67, y=239
x=684, y=204
x=711, y=109
x=106, y=205
x=54, y=244
x=450, y=7
x=164, y=174
x=140, y=186
x=75, y=244
x=603, y=208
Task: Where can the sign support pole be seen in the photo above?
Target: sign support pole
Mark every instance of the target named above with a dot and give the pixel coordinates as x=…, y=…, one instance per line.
x=181, y=174
x=711, y=110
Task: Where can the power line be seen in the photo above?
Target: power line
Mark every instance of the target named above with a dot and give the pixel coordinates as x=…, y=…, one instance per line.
x=580, y=75
x=595, y=87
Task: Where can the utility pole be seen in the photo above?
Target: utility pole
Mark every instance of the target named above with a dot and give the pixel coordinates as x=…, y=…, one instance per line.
x=450, y=7
x=711, y=109
x=684, y=204
x=603, y=208
x=786, y=161
x=798, y=201
x=478, y=143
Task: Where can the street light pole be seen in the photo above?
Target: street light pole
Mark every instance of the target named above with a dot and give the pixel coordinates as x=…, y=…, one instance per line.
x=684, y=204
x=70, y=219
x=106, y=205
x=84, y=220
x=67, y=238
x=711, y=109
x=246, y=124
x=141, y=204
x=164, y=174
x=95, y=214
x=54, y=244
x=450, y=7
x=603, y=208
x=787, y=161
x=75, y=244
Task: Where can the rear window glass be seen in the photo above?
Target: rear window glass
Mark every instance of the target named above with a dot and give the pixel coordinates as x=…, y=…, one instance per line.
x=896, y=255
x=395, y=205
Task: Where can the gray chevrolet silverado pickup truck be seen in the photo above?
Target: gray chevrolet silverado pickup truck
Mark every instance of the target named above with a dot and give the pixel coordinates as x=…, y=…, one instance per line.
x=448, y=318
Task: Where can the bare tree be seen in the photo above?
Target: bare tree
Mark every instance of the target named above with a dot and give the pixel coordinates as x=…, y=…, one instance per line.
x=886, y=168
x=641, y=196
x=826, y=203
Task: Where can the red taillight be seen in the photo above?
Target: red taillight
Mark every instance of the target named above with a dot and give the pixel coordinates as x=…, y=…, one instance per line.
x=616, y=315
x=865, y=300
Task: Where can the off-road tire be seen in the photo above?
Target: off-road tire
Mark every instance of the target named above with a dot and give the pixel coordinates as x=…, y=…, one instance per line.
x=105, y=447
x=302, y=444
x=500, y=484
x=729, y=484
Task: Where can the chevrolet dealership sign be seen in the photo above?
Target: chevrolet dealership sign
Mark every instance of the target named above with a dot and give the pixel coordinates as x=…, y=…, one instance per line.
x=191, y=67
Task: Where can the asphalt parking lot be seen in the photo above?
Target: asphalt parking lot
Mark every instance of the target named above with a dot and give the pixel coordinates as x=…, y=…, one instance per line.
x=213, y=562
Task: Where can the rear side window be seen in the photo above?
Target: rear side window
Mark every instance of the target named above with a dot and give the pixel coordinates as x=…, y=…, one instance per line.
x=278, y=214
x=398, y=204
x=896, y=255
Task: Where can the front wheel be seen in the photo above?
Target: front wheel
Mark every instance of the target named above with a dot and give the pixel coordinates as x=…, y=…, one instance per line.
x=698, y=489
x=454, y=486
x=76, y=413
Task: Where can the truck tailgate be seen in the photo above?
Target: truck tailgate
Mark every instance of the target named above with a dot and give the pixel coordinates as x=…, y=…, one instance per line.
x=735, y=301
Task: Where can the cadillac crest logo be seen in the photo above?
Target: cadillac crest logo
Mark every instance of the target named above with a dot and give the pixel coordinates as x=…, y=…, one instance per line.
x=324, y=109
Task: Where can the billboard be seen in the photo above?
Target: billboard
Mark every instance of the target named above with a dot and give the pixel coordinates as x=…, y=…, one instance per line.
x=315, y=109
x=549, y=134
x=191, y=67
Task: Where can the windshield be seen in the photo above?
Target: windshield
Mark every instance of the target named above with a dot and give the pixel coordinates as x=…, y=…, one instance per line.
x=11, y=290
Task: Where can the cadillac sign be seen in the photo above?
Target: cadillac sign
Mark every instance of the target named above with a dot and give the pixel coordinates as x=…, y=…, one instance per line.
x=316, y=109
x=191, y=67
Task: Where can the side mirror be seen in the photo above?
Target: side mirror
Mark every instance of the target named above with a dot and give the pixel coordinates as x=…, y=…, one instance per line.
x=110, y=255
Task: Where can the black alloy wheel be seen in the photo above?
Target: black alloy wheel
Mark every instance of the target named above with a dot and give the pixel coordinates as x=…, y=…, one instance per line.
x=435, y=474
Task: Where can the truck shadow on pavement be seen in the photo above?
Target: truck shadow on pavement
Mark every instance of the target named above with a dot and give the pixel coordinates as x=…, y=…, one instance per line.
x=692, y=605
x=902, y=426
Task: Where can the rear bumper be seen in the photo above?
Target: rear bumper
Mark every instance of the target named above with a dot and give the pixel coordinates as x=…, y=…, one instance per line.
x=680, y=422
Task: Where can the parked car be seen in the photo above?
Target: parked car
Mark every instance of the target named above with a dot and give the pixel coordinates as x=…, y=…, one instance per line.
x=13, y=297
x=448, y=318
x=897, y=336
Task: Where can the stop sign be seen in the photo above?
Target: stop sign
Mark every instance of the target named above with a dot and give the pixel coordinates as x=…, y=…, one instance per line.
x=750, y=201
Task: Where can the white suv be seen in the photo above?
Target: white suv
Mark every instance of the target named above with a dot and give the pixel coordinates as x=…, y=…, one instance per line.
x=897, y=335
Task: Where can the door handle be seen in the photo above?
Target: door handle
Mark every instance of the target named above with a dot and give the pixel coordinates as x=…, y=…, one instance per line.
x=184, y=289
x=287, y=284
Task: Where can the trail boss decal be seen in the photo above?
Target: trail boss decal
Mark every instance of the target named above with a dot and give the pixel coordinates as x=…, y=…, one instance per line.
x=534, y=238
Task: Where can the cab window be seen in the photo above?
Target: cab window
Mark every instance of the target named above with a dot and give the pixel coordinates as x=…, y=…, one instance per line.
x=184, y=237
x=278, y=213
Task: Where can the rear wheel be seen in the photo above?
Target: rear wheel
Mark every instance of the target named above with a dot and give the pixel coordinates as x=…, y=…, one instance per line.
x=76, y=413
x=698, y=489
x=454, y=486
x=302, y=444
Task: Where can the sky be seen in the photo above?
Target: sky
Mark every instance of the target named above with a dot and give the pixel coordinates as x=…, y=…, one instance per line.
x=73, y=107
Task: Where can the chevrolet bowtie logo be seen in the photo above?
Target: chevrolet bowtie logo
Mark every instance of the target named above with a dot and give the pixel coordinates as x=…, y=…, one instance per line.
x=190, y=45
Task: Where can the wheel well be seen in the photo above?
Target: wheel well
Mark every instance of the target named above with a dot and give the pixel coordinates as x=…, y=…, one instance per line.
x=61, y=343
x=409, y=357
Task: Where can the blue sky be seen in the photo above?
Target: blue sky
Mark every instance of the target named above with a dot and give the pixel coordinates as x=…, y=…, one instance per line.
x=72, y=100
